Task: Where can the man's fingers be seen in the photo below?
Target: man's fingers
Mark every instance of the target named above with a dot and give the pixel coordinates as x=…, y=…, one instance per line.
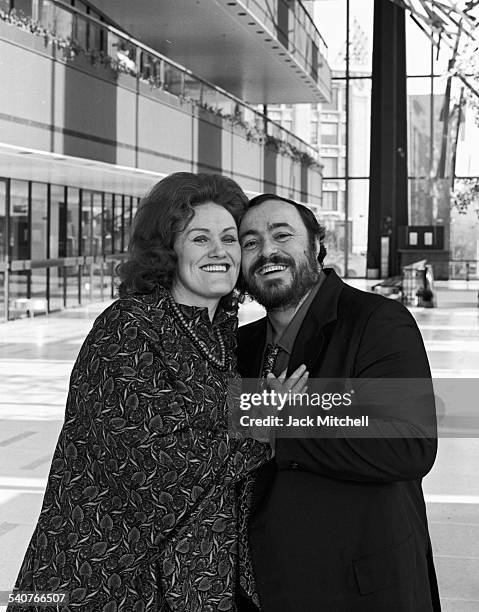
x=300, y=384
x=299, y=371
x=291, y=380
x=295, y=383
x=273, y=382
x=298, y=376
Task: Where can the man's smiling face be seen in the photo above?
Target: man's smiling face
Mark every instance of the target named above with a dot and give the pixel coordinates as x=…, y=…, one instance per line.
x=278, y=264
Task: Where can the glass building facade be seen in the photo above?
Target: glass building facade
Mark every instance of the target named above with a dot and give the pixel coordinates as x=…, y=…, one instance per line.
x=59, y=245
x=442, y=130
x=341, y=130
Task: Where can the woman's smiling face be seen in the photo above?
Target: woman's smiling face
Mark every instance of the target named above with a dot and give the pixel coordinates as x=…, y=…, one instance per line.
x=209, y=257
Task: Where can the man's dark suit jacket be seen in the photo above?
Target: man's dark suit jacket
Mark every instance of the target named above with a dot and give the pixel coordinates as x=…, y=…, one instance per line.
x=339, y=525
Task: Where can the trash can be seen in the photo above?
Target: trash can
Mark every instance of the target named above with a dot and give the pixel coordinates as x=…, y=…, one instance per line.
x=418, y=285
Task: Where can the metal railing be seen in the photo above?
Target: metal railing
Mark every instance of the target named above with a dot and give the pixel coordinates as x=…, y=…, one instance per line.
x=301, y=29
x=77, y=33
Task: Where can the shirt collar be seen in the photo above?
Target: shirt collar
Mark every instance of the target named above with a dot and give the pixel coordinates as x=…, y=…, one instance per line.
x=286, y=341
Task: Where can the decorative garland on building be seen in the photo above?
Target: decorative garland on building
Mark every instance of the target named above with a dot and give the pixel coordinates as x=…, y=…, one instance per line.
x=71, y=49
x=285, y=148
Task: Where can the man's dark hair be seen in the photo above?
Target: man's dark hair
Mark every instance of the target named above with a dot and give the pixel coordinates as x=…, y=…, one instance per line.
x=166, y=210
x=316, y=232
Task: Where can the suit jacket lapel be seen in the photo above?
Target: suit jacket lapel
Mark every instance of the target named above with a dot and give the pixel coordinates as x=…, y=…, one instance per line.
x=312, y=334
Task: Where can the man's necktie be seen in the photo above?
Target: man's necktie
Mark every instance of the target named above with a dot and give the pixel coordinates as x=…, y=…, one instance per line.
x=246, y=574
x=270, y=356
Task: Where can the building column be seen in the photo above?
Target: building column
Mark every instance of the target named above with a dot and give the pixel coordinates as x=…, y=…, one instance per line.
x=388, y=191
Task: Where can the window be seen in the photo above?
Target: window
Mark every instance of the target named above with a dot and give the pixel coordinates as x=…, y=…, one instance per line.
x=3, y=218
x=333, y=105
x=330, y=166
x=81, y=6
x=80, y=27
x=53, y=222
x=58, y=245
x=134, y=206
x=39, y=227
x=57, y=221
x=330, y=200
x=118, y=224
x=23, y=7
x=86, y=223
x=94, y=37
x=314, y=132
x=19, y=221
x=46, y=12
x=73, y=222
x=97, y=223
x=108, y=224
x=329, y=133
x=127, y=218
x=63, y=23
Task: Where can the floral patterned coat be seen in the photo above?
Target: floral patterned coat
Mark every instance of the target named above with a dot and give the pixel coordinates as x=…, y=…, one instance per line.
x=140, y=508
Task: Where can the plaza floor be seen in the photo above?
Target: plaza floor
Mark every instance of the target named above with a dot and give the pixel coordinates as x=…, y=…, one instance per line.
x=35, y=363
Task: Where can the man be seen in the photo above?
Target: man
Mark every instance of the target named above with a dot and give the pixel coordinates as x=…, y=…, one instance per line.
x=338, y=524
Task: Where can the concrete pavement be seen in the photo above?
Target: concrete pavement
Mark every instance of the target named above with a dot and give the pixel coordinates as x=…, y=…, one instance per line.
x=35, y=363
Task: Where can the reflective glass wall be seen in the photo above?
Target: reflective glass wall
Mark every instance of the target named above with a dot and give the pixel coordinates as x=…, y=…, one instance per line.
x=343, y=131
x=59, y=245
x=442, y=148
x=443, y=132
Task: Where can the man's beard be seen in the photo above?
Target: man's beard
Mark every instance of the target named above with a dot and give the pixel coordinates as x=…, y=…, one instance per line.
x=274, y=294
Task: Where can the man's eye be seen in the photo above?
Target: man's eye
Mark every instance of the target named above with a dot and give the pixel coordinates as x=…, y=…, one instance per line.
x=282, y=236
x=249, y=244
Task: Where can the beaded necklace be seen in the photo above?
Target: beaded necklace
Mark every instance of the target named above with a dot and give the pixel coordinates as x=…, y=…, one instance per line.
x=220, y=362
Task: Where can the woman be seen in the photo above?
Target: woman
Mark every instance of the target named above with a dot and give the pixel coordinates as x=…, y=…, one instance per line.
x=140, y=507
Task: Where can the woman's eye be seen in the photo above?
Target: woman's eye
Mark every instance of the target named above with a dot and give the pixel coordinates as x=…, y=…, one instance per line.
x=230, y=239
x=200, y=239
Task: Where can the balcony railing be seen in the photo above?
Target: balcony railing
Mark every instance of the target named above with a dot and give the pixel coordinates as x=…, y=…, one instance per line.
x=293, y=26
x=79, y=34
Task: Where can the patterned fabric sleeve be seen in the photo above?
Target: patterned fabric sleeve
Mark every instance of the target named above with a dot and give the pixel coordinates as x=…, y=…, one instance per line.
x=141, y=481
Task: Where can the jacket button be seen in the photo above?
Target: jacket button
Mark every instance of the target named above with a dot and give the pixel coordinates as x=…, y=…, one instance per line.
x=294, y=466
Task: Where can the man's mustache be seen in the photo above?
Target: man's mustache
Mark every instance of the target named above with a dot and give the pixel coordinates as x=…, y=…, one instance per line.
x=273, y=260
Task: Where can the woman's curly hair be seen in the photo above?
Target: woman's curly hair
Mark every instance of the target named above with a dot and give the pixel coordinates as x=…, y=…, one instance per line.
x=162, y=214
